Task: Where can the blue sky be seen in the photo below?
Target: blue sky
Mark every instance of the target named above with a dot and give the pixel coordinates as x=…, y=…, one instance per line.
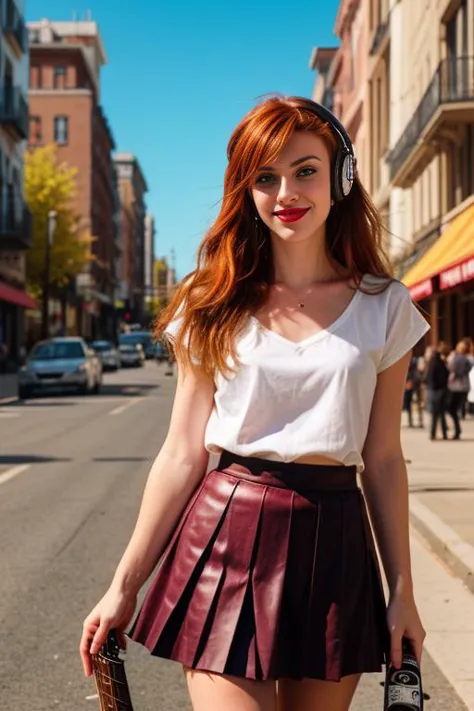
x=179, y=78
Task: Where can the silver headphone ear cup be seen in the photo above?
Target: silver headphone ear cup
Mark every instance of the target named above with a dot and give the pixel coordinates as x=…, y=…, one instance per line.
x=346, y=175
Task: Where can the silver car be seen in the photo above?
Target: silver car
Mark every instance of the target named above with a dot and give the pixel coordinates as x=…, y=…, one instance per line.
x=108, y=354
x=60, y=363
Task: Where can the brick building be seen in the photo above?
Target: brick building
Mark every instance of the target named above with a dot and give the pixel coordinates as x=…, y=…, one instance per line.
x=65, y=64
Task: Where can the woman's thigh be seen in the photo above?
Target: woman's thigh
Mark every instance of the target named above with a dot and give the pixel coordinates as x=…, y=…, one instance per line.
x=216, y=692
x=314, y=695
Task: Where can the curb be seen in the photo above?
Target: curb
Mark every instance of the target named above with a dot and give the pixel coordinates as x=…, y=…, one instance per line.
x=8, y=400
x=454, y=552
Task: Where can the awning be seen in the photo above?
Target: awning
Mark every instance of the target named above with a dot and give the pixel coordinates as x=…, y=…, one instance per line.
x=15, y=296
x=451, y=256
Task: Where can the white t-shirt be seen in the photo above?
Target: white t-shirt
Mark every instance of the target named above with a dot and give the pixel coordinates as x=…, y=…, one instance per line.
x=288, y=400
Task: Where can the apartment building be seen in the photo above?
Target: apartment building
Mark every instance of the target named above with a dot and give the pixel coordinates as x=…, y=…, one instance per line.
x=149, y=260
x=431, y=158
x=15, y=218
x=132, y=188
x=65, y=75
x=341, y=83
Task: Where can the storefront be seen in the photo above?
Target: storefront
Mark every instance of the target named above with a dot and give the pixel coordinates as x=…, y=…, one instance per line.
x=442, y=281
x=13, y=303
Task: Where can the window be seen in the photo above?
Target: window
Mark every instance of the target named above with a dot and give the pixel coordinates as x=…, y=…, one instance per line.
x=61, y=129
x=35, y=130
x=59, y=77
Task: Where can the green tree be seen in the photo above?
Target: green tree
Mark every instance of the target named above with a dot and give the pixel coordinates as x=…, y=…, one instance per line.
x=52, y=185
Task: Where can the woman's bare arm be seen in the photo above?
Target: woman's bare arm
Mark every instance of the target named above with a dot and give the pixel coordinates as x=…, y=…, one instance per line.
x=173, y=477
x=385, y=487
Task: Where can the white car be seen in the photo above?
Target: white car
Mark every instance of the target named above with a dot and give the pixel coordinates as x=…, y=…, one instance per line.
x=60, y=363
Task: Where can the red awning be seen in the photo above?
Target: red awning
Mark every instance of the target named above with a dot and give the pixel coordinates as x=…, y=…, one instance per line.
x=15, y=296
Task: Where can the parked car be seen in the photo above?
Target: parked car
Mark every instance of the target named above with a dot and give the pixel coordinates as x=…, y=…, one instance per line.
x=132, y=354
x=60, y=363
x=108, y=354
x=145, y=338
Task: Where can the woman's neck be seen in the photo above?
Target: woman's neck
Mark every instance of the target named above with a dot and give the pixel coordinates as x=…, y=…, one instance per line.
x=301, y=264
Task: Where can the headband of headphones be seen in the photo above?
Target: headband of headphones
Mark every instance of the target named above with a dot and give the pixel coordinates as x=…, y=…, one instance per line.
x=343, y=170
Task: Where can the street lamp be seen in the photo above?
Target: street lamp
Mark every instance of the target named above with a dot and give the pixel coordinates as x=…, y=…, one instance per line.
x=47, y=272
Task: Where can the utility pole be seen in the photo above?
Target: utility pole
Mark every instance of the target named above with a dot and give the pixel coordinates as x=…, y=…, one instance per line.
x=47, y=274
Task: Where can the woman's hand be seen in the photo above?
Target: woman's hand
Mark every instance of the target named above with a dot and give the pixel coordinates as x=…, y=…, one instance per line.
x=404, y=621
x=115, y=610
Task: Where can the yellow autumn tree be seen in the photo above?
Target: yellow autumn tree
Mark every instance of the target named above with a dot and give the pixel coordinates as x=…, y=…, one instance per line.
x=52, y=185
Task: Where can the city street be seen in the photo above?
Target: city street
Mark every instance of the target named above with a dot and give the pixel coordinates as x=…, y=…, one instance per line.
x=72, y=471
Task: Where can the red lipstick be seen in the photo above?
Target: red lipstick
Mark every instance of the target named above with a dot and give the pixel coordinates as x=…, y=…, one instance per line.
x=291, y=214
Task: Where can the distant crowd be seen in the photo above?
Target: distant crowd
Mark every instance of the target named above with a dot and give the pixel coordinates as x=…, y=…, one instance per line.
x=441, y=382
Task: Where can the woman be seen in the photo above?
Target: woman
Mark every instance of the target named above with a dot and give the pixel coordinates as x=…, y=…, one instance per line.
x=292, y=346
x=436, y=385
x=459, y=366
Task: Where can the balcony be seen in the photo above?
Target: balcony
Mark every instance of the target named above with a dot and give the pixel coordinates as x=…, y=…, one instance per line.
x=447, y=103
x=16, y=229
x=14, y=111
x=15, y=29
x=379, y=41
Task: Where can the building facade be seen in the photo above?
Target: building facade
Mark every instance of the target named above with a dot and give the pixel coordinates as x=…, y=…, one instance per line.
x=402, y=83
x=341, y=83
x=431, y=159
x=149, y=260
x=132, y=188
x=15, y=218
x=65, y=64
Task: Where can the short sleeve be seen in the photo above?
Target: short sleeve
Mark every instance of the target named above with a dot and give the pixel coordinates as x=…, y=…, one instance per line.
x=405, y=326
x=172, y=330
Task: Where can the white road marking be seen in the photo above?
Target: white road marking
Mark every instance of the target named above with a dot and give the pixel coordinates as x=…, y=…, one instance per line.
x=14, y=471
x=460, y=549
x=122, y=408
x=5, y=414
x=447, y=610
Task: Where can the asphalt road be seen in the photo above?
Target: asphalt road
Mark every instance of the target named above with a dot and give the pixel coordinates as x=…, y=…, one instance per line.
x=72, y=470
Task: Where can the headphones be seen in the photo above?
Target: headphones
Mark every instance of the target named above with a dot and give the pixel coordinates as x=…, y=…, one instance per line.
x=344, y=162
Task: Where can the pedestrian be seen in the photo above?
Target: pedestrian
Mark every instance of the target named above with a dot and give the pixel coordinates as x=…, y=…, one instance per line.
x=413, y=388
x=292, y=344
x=459, y=367
x=436, y=385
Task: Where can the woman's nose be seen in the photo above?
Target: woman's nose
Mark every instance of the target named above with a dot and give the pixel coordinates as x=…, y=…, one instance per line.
x=287, y=191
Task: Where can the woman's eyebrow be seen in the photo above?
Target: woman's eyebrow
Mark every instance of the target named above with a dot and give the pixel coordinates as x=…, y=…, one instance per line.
x=296, y=162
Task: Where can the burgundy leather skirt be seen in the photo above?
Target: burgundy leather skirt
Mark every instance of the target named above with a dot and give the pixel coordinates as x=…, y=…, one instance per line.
x=271, y=572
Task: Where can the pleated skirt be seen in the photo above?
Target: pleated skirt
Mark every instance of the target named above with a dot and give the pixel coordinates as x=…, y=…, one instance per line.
x=271, y=573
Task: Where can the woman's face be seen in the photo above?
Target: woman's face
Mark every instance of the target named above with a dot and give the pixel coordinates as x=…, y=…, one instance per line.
x=293, y=194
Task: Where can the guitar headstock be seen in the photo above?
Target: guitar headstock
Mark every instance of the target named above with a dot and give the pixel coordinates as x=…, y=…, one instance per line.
x=111, y=649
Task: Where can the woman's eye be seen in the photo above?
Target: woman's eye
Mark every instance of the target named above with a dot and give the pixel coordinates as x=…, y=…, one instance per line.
x=305, y=171
x=263, y=178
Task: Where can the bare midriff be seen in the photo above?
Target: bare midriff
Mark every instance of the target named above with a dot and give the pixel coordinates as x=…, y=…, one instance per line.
x=318, y=459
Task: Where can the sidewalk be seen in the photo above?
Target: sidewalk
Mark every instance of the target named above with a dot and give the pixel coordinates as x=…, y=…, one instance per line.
x=441, y=479
x=8, y=386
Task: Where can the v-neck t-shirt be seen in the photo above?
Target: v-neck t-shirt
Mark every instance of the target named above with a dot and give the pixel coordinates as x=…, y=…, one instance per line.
x=290, y=399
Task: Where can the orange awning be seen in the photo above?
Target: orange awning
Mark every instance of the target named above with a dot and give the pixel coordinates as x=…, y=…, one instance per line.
x=450, y=257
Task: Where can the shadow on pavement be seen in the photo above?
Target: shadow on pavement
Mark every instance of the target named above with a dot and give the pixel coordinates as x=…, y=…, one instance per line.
x=131, y=390
x=30, y=459
x=121, y=459
x=441, y=489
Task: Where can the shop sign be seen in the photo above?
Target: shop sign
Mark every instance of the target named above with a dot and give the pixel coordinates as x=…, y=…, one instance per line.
x=421, y=290
x=457, y=275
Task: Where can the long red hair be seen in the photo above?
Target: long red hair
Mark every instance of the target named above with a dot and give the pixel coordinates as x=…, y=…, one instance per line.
x=234, y=263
